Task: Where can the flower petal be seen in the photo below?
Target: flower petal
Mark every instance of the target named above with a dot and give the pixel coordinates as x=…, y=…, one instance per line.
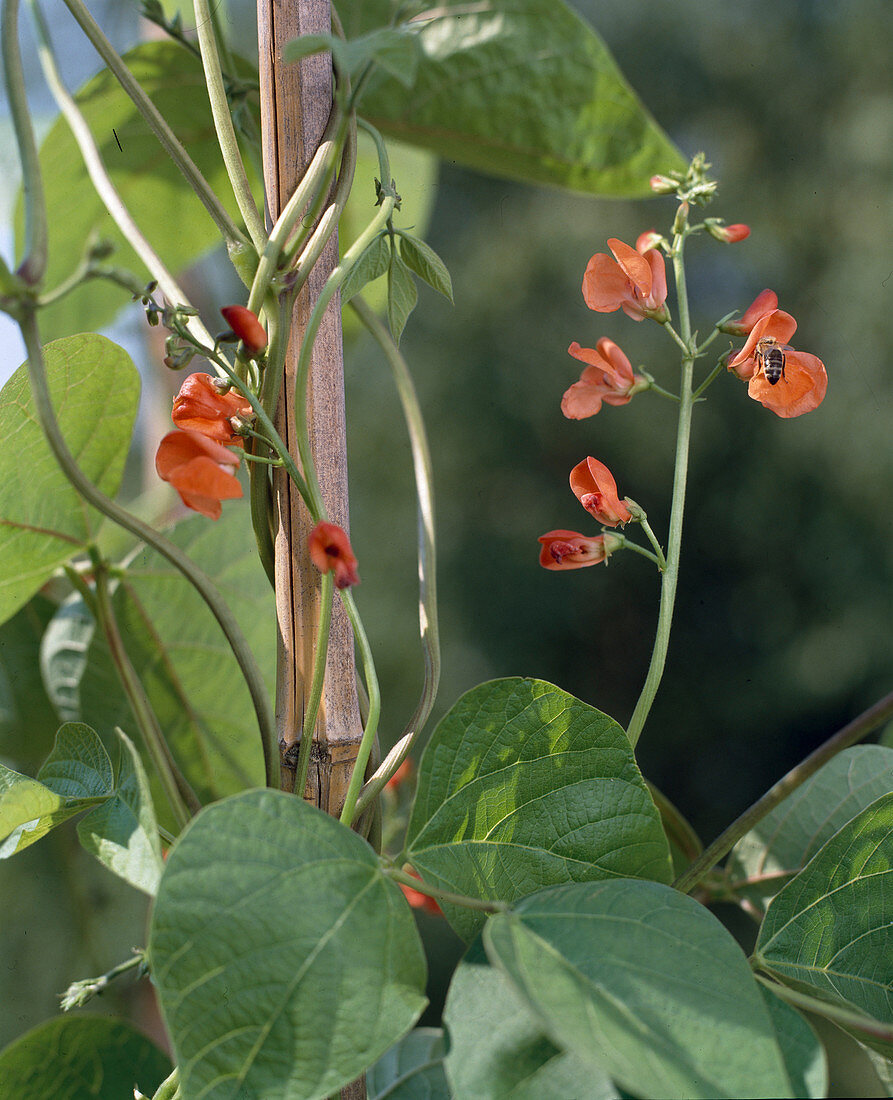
x=801, y=390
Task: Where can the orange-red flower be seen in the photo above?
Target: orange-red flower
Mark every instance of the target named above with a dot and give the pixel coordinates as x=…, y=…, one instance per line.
x=631, y=281
x=776, y=323
x=247, y=327
x=594, y=486
x=608, y=377
x=200, y=469
x=201, y=407
x=330, y=551
x=804, y=383
x=799, y=391
x=765, y=302
x=571, y=550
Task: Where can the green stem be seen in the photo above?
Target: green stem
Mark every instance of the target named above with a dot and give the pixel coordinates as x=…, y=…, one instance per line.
x=877, y=1029
x=311, y=711
x=348, y=813
x=854, y=731
x=80, y=992
x=223, y=124
x=34, y=262
x=626, y=544
x=711, y=377
x=428, y=625
x=100, y=178
x=445, y=895
x=156, y=123
x=339, y=274
x=199, y=580
x=312, y=185
x=670, y=575
x=174, y=785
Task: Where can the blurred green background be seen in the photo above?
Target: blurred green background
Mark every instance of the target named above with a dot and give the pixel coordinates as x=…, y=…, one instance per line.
x=784, y=611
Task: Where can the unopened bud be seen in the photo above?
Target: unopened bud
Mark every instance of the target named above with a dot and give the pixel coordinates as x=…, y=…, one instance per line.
x=649, y=239
x=728, y=234
x=246, y=327
x=663, y=185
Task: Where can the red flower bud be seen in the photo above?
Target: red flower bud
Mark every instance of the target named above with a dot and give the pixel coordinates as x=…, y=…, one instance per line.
x=247, y=327
x=728, y=234
x=330, y=551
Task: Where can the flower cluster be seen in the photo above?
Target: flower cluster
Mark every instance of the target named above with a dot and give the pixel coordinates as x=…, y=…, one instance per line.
x=594, y=486
x=210, y=416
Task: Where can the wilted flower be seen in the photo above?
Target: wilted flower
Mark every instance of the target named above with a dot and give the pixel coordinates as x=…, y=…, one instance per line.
x=204, y=405
x=593, y=485
x=330, y=551
x=200, y=469
x=608, y=377
x=631, y=281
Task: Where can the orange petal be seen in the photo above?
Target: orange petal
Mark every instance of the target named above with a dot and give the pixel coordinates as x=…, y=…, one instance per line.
x=634, y=264
x=801, y=390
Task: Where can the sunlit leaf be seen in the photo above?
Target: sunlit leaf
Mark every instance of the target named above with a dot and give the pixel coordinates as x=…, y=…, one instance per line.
x=523, y=786
x=43, y=520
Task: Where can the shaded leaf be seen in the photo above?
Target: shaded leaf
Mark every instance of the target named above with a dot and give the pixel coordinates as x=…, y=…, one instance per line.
x=828, y=932
x=518, y=1059
x=182, y=658
x=272, y=917
x=43, y=521
x=411, y=1070
x=645, y=984
x=804, y=1056
x=788, y=837
x=81, y=1057
x=27, y=719
x=373, y=263
x=523, y=786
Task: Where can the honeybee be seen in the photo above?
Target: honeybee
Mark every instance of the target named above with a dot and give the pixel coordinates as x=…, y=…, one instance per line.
x=770, y=359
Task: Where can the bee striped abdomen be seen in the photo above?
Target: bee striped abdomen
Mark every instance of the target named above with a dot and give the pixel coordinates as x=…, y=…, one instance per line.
x=773, y=365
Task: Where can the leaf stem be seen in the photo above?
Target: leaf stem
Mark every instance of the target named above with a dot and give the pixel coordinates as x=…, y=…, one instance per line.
x=854, y=731
x=34, y=262
x=311, y=710
x=223, y=123
x=428, y=623
x=302, y=370
x=670, y=575
x=100, y=178
x=348, y=812
x=858, y=1021
x=157, y=123
x=445, y=895
x=182, y=798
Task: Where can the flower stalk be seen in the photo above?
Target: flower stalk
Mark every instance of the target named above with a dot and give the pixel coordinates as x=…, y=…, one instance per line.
x=670, y=575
